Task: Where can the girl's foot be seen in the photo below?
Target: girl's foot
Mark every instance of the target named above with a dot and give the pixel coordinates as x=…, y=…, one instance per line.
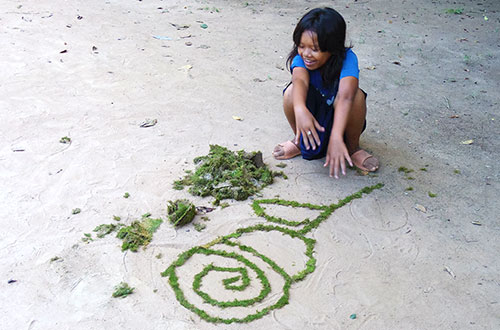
x=364, y=161
x=286, y=150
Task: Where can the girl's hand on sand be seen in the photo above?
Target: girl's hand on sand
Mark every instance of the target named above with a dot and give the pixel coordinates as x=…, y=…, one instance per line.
x=307, y=126
x=336, y=156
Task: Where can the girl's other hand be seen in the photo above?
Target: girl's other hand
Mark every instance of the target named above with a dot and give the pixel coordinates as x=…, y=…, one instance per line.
x=336, y=156
x=307, y=126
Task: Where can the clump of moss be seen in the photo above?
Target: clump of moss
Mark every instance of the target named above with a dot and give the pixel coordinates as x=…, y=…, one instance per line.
x=199, y=226
x=225, y=174
x=180, y=212
x=456, y=11
x=405, y=170
x=106, y=229
x=139, y=233
x=122, y=290
x=65, y=140
x=178, y=185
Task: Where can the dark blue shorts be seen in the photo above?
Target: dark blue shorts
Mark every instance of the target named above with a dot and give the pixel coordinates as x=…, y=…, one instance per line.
x=323, y=113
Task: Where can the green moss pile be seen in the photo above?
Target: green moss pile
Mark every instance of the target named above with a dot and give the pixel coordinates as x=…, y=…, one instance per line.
x=139, y=233
x=238, y=278
x=225, y=174
x=180, y=212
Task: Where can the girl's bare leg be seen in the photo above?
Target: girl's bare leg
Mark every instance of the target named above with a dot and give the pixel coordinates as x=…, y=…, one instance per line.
x=290, y=116
x=354, y=126
x=288, y=107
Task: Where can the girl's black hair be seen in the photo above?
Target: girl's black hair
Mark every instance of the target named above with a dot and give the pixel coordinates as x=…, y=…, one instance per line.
x=330, y=28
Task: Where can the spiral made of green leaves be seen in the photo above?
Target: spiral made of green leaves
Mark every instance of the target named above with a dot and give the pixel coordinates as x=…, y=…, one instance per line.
x=237, y=278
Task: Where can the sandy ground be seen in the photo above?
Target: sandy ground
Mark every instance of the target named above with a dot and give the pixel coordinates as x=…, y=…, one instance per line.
x=93, y=71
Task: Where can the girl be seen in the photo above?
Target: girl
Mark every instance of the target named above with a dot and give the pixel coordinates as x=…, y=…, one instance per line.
x=323, y=103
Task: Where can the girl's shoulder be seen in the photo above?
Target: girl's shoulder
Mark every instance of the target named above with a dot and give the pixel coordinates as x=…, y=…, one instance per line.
x=350, y=66
x=350, y=57
x=297, y=62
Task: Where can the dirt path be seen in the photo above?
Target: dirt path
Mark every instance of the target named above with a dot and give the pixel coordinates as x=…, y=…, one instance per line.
x=421, y=253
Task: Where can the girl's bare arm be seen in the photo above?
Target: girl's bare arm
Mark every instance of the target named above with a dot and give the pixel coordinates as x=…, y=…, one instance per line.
x=304, y=120
x=337, y=152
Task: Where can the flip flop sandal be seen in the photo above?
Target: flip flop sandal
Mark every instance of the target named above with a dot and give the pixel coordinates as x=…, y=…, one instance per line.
x=358, y=159
x=290, y=149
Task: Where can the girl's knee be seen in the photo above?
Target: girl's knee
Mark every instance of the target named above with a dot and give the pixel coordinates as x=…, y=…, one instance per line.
x=287, y=97
x=287, y=93
x=360, y=95
x=360, y=101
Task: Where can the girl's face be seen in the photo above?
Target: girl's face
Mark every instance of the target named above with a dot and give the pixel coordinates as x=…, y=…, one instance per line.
x=309, y=50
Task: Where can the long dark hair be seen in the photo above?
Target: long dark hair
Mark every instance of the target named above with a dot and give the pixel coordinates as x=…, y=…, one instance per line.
x=330, y=28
